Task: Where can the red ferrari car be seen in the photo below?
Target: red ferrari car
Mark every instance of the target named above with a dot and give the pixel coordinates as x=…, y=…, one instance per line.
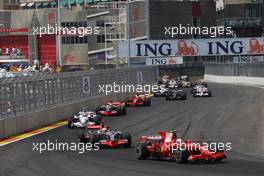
x=162, y=146
x=112, y=109
x=139, y=100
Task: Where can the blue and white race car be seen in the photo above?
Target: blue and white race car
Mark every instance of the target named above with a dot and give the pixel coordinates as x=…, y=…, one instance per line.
x=83, y=119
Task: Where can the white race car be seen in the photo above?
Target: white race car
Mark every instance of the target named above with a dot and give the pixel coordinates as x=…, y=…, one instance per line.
x=202, y=91
x=84, y=119
x=174, y=84
x=162, y=91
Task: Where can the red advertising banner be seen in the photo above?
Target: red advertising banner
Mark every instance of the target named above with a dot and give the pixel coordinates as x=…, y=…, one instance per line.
x=14, y=30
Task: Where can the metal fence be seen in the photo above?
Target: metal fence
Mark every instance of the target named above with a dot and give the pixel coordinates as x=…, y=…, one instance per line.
x=235, y=69
x=192, y=69
x=21, y=95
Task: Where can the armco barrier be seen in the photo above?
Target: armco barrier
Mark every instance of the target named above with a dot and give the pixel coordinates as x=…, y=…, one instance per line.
x=193, y=69
x=56, y=106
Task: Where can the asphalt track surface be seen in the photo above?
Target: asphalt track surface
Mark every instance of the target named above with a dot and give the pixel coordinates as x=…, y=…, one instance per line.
x=234, y=114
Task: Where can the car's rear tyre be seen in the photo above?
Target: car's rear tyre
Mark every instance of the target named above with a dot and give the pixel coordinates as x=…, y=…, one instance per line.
x=98, y=110
x=217, y=160
x=128, y=137
x=147, y=102
x=181, y=156
x=93, y=139
x=126, y=103
x=124, y=112
x=142, y=152
x=121, y=111
x=98, y=119
x=83, y=138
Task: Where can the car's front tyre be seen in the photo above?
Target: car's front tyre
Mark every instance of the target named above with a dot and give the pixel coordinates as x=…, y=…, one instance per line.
x=142, y=152
x=128, y=137
x=181, y=156
x=70, y=124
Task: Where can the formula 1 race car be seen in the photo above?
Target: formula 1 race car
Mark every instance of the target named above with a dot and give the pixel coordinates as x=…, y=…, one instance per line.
x=166, y=146
x=195, y=85
x=164, y=79
x=202, y=91
x=84, y=118
x=173, y=84
x=161, y=92
x=112, y=109
x=107, y=138
x=185, y=82
x=139, y=100
x=176, y=95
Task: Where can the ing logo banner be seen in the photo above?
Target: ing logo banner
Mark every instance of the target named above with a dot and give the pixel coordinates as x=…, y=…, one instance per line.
x=192, y=47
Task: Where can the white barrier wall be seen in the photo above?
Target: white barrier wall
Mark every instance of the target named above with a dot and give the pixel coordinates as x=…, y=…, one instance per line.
x=234, y=79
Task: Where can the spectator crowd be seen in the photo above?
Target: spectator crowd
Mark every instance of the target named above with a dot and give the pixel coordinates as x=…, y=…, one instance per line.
x=27, y=70
x=11, y=51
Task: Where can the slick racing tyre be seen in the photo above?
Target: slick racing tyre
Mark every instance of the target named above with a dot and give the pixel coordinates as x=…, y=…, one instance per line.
x=98, y=119
x=142, y=152
x=83, y=138
x=93, y=139
x=124, y=112
x=121, y=111
x=147, y=102
x=217, y=160
x=181, y=156
x=97, y=111
x=70, y=123
x=127, y=136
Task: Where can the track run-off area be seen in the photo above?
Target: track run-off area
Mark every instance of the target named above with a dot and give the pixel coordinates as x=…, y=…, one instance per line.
x=233, y=114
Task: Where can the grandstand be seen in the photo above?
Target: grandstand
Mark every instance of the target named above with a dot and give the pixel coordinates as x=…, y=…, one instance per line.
x=75, y=52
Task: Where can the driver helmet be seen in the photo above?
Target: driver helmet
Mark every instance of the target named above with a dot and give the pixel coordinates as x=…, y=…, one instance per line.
x=85, y=113
x=174, y=134
x=110, y=103
x=103, y=127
